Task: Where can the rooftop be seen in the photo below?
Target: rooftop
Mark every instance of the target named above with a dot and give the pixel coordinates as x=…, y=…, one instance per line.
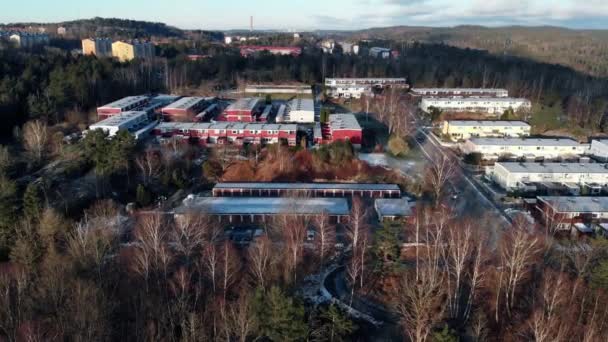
x=118, y=120
x=524, y=142
x=244, y=104
x=261, y=205
x=399, y=207
x=301, y=105
x=225, y=125
x=487, y=123
x=343, y=121
x=460, y=90
x=309, y=186
x=126, y=101
x=576, y=204
x=572, y=168
x=476, y=99
x=186, y=103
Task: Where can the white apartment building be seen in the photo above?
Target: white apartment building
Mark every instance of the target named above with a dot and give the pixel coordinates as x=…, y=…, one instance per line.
x=494, y=106
x=599, y=149
x=355, y=87
x=460, y=92
x=545, y=148
x=298, y=110
x=466, y=129
x=512, y=176
x=136, y=123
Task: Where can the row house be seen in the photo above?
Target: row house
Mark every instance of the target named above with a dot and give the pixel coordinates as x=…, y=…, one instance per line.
x=229, y=133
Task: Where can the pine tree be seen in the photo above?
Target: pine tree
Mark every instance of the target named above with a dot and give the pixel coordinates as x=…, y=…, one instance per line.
x=332, y=326
x=143, y=197
x=33, y=201
x=280, y=317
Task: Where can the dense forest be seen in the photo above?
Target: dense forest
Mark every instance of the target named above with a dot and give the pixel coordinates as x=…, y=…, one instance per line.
x=582, y=50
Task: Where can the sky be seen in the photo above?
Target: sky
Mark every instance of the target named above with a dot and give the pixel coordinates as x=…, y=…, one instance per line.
x=317, y=14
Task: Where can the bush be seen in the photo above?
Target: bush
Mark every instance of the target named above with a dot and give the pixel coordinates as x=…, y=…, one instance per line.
x=397, y=146
x=212, y=170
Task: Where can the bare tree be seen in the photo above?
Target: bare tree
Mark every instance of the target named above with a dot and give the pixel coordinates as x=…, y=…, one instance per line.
x=439, y=173
x=35, y=138
x=149, y=165
x=231, y=265
x=241, y=319
x=210, y=264
x=13, y=303
x=293, y=231
x=152, y=253
x=188, y=234
x=356, y=231
x=326, y=236
x=260, y=260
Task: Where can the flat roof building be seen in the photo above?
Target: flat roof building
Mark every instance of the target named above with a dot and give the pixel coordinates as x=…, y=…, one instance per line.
x=306, y=189
x=466, y=129
x=355, y=87
x=599, y=149
x=342, y=127
x=261, y=209
x=393, y=209
x=128, y=50
x=185, y=109
x=459, y=92
x=535, y=148
x=493, y=106
x=563, y=212
x=298, y=110
x=136, y=123
x=278, y=89
x=513, y=176
x=129, y=103
x=275, y=50
x=244, y=110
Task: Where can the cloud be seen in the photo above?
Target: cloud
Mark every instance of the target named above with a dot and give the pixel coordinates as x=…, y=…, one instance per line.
x=573, y=13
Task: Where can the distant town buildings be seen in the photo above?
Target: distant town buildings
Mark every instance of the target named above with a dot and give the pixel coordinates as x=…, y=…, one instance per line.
x=275, y=50
x=26, y=40
x=62, y=31
x=129, y=50
x=355, y=87
x=531, y=148
x=380, y=52
x=514, y=176
x=466, y=129
x=100, y=47
x=459, y=92
x=493, y=106
x=229, y=133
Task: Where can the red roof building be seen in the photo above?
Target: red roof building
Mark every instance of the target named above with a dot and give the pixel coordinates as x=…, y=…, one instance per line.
x=343, y=127
x=127, y=104
x=244, y=110
x=185, y=109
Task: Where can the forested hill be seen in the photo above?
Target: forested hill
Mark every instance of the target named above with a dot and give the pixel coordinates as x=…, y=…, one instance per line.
x=583, y=50
x=113, y=28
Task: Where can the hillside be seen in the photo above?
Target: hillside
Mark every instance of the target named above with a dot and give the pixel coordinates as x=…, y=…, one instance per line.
x=583, y=50
x=108, y=27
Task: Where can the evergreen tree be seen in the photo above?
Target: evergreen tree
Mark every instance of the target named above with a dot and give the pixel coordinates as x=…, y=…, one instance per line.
x=143, y=196
x=33, y=201
x=8, y=214
x=387, y=246
x=280, y=317
x=332, y=326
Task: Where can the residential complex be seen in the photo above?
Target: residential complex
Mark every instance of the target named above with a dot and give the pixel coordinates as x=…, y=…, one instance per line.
x=381, y=52
x=541, y=148
x=100, y=47
x=186, y=108
x=599, y=149
x=355, y=87
x=128, y=50
x=564, y=212
x=137, y=123
x=244, y=110
x=275, y=50
x=493, y=106
x=129, y=103
x=306, y=190
x=460, y=92
x=298, y=110
x=466, y=129
x=229, y=133
x=513, y=176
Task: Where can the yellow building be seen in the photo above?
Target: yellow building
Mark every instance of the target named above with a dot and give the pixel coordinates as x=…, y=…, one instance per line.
x=127, y=51
x=466, y=129
x=100, y=47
